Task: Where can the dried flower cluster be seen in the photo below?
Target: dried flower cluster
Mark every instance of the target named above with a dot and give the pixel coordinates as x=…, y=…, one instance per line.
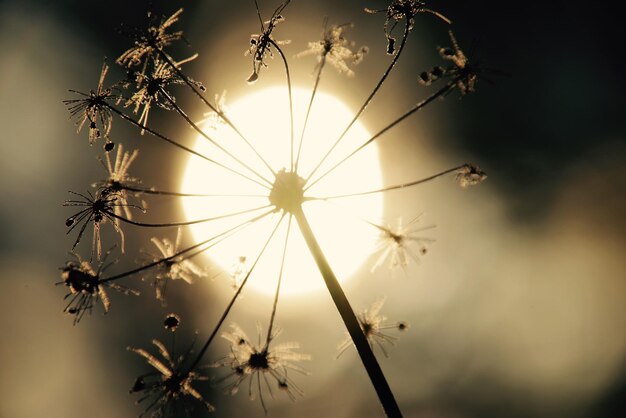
x=373, y=324
x=171, y=381
x=396, y=244
x=335, y=48
x=172, y=266
x=86, y=287
x=149, y=44
x=150, y=72
x=398, y=11
x=261, y=43
x=256, y=363
x=93, y=108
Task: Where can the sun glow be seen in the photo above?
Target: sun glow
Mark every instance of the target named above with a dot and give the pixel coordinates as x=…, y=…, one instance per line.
x=263, y=118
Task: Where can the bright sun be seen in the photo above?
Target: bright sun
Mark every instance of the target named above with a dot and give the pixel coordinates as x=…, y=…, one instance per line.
x=263, y=118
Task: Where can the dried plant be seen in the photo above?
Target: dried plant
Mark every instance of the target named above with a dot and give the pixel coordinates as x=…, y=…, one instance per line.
x=92, y=107
x=171, y=382
x=261, y=43
x=373, y=324
x=150, y=69
x=335, y=49
x=97, y=210
x=396, y=244
x=151, y=89
x=86, y=287
x=256, y=362
x=175, y=268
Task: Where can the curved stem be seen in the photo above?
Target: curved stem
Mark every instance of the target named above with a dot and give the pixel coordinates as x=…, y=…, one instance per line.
x=443, y=91
x=195, y=127
x=394, y=187
x=176, y=144
x=172, y=224
x=213, y=108
x=366, y=103
x=282, y=55
x=232, y=301
x=308, y=111
x=350, y=320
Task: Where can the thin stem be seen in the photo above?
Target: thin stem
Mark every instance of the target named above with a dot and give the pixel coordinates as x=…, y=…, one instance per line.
x=367, y=101
x=174, y=356
x=258, y=13
x=194, y=222
x=280, y=278
x=186, y=250
x=308, y=111
x=388, y=188
x=443, y=91
x=169, y=193
x=176, y=144
x=370, y=363
x=232, y=301
x=387, y=230
x=213, y=108
x=195, y=127
x=282, y=55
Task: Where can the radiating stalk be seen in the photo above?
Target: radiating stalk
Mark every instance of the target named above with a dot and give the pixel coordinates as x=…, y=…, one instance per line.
x=173, y=224
x=405, y=36
x=280, y=279
x=394, y=187
x=215, y=239
x=322, y=64
x=180, y=194
x=194, y=126
x=350, y=320
x=212, y=107
x=440, y=93
x=176, y=144
x=232, y=301
x=282, y=55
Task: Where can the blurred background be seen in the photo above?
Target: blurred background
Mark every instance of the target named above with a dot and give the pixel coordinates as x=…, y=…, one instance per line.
x=519, y=308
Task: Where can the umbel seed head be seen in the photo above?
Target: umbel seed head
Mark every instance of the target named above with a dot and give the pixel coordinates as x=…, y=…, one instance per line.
x=287, y=192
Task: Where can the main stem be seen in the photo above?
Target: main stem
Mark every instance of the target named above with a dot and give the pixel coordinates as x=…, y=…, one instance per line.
x=349, y=318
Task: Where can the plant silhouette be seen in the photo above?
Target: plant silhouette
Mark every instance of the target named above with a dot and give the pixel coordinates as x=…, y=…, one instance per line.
x=151, y=69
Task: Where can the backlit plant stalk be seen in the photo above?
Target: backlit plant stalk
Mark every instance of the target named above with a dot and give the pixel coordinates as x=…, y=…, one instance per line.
x=151, y=71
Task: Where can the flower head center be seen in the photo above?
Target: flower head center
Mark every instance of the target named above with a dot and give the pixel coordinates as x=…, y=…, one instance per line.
x=287, y=192
x=368, y=328
x=80, y=281
x=174, y=383
x=259, y=361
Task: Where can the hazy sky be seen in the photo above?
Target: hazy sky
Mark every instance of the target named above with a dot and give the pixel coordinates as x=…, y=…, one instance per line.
x=518, y=308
